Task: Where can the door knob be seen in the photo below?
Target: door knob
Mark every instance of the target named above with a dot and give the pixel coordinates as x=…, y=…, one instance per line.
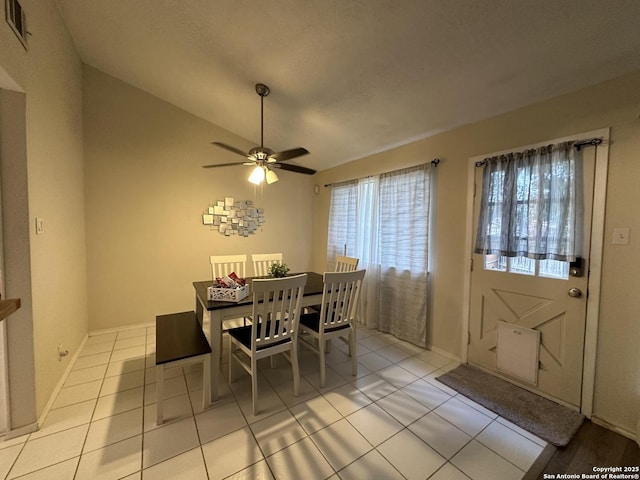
x=575, y=292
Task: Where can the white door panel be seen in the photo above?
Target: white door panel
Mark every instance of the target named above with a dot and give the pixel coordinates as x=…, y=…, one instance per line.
x=538, y=303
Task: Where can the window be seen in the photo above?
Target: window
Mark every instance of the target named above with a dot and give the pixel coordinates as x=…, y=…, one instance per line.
x=527, y=221
x=384, y=222
x=343, y=221
x=527, y=266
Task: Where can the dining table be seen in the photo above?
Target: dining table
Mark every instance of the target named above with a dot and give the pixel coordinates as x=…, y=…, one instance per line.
x=211, y=314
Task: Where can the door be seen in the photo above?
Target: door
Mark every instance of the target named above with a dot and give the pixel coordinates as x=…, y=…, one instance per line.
x=541, y=295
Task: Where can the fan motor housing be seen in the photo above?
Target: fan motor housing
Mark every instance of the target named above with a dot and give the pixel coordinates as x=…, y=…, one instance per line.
x=260, y=153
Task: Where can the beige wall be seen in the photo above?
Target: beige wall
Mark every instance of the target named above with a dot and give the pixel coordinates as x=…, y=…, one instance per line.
x=145, y=195
x=614, y=104
x=144, y=192
x=50, y=76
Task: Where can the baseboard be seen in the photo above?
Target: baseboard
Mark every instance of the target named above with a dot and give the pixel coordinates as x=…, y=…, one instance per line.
x=120, y=329
x=61, y=382
x=444, y=353
x=18, y=432
x=614, y=428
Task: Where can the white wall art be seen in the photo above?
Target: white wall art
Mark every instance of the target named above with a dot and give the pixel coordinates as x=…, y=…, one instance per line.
x=233, y=217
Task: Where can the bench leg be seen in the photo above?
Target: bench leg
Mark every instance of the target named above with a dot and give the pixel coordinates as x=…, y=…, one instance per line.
x=159, y=393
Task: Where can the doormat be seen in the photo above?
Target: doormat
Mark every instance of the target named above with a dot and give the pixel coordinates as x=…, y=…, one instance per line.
x=544, y=418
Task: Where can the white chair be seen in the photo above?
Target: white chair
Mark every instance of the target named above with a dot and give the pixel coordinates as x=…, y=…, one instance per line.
x=263, y=261
x=343, y=264
x=346, y=264
x=336, y=318
x=222, y=265
x=275, y=316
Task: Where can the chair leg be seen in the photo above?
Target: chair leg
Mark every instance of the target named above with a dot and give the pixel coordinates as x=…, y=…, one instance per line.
x=323, y=379
x=254, y=384
x=295, y=368
x=206, y=381
x=353, y=353
x=231, y=360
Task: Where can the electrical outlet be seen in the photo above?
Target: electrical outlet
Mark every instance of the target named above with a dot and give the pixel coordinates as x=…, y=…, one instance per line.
x=620, y=236
x=62, y=352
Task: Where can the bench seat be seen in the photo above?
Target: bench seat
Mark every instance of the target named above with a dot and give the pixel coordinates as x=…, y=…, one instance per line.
x=180, y=341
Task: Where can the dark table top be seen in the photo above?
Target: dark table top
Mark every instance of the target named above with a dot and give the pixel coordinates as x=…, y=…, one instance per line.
x=312, y=287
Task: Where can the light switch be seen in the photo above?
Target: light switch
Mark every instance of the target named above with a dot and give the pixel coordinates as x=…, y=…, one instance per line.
x=39, y=225
x=620, y=236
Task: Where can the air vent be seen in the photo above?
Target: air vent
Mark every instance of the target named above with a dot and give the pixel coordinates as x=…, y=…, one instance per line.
x=16, y=19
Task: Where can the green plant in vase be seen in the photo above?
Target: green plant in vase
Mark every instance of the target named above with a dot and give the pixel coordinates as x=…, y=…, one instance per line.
x=278, y=270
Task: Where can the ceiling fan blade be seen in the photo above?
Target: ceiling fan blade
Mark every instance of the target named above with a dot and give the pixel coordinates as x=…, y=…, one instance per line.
x=230, y=148
x=223, y=165
x=292, y=168
x=288, y=154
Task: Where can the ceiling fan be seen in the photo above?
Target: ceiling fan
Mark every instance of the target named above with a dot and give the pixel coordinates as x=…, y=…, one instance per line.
x=262, y=158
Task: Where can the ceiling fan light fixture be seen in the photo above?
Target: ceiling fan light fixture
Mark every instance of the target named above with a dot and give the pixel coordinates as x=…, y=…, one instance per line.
x=261, y=157
x=271, y=177
x=257, y=175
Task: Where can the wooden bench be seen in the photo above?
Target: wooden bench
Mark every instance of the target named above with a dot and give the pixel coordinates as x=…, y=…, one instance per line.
x=181, y=341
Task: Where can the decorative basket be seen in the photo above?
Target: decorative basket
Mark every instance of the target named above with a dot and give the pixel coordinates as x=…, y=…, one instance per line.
x=221, y=294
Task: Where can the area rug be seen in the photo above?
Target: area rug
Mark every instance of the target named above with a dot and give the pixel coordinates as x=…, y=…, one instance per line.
x=548, y=420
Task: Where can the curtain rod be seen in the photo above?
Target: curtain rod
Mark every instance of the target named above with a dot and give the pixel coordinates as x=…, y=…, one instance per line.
x=594, y=142
x=433, y=162
x=578, y=145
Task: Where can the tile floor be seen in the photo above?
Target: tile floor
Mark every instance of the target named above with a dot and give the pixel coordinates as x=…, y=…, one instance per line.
x=392, y=421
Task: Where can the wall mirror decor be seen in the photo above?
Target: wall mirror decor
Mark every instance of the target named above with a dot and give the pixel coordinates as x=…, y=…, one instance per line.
x=233, y=217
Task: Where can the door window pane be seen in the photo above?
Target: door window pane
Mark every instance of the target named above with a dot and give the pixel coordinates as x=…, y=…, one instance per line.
x=554, y=269
x=527, y=266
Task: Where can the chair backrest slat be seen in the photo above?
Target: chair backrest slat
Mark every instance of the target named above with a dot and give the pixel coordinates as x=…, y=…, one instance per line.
x=340, y=298
x=276, y=308
x=263, y=261
x=222, y=265
x=346, y=264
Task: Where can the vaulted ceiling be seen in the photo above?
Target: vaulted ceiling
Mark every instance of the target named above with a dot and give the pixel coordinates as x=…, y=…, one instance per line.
x=350, y=78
